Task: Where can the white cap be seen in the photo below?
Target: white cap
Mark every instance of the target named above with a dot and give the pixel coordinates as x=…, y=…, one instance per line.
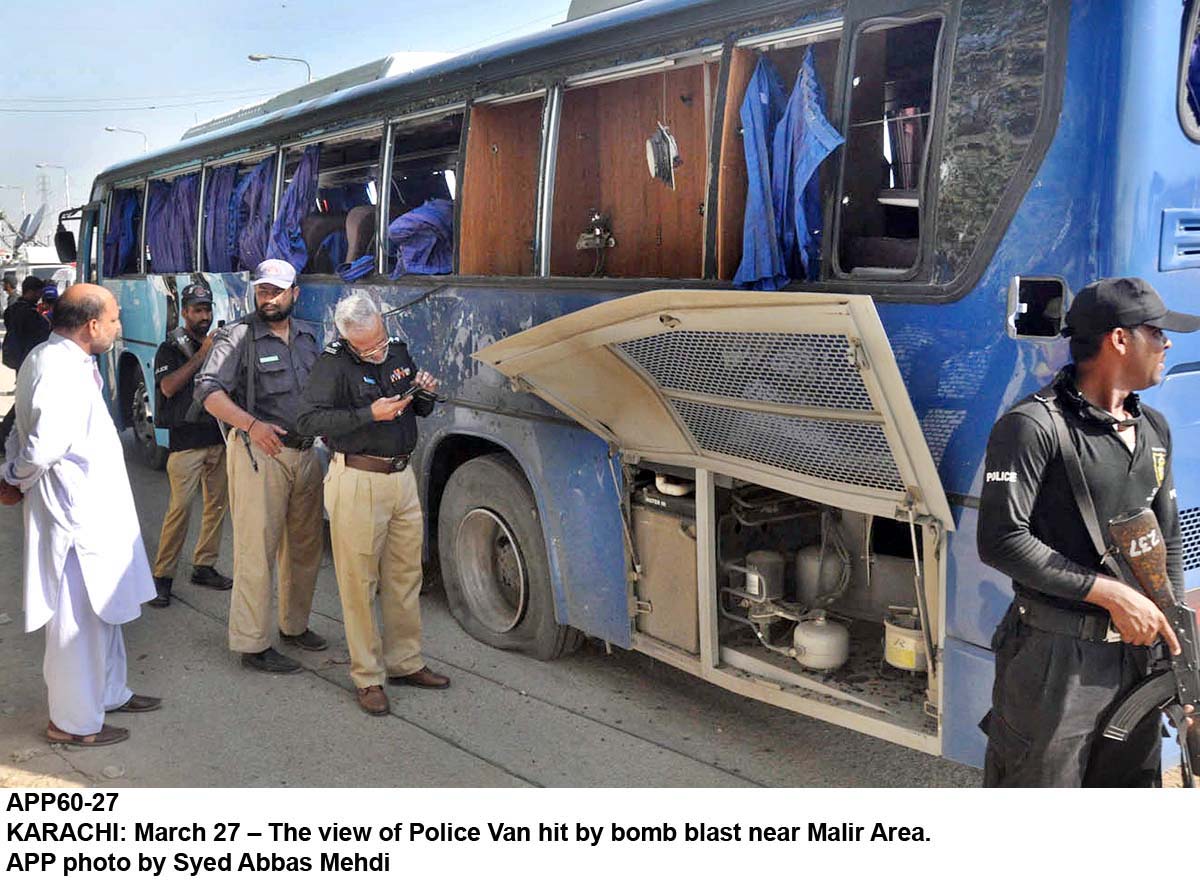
x=277, y=272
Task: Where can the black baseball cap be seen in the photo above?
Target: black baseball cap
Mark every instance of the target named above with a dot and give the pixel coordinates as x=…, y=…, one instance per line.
x=1122, y=302
x=196, y=293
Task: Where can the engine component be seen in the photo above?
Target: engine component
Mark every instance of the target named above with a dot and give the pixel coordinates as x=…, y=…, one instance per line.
x=823, y=572
x=903, y=640
x=820, y=644
x=764, y=575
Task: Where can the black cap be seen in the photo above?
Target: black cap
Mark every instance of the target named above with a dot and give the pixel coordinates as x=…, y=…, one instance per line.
x=195, y=293
x=1122, y=302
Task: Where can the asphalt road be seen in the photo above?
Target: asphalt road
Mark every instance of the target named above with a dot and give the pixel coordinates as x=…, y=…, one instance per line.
x=589, y=720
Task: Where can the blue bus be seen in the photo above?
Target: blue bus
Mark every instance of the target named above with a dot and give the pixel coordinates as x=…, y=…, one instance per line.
x=756, y=462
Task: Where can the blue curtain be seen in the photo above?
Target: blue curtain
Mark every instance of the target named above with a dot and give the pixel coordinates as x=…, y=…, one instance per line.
x=218, y=207
x=287, y=238
x=250, y=225
x=425, y=239
x=121, y=236
x=803, y=139
x=762, y=267
x=171, y=223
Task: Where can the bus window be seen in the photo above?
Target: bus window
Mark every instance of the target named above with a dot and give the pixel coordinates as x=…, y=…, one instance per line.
x=123, y=225
x=1189, y=75
x=424, y=186
x=612, y=215
x=891, y=99
x=329, y=204
x=238, y=202
x=172, y=207
x=499, y=190
x=784, y=64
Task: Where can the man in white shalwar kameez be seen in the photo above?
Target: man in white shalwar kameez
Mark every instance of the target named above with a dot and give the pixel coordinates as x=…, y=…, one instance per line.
x=85, y=567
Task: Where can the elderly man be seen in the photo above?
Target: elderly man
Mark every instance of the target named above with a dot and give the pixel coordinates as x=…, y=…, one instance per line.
x=252, y=381
x=362, y=396
x=85, y=567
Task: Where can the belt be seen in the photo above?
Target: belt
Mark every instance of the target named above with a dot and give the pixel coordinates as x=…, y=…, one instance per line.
x=378, y=464
x=1080, y=625
x=296, y=442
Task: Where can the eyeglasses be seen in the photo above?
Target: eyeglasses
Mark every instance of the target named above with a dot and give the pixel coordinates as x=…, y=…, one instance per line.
x=368, y=354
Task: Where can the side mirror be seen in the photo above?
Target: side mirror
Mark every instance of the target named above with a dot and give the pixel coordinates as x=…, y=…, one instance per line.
x=64, y=244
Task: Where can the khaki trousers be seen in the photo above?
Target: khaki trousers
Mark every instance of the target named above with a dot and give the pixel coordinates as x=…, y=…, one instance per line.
x=189, y=471
x=277, y=528
x=376, y=528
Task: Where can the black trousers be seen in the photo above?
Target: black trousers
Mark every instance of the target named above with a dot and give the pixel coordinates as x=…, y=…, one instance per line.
x=1052, y=696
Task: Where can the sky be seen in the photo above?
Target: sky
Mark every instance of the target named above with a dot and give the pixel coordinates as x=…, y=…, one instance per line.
x=159, y=66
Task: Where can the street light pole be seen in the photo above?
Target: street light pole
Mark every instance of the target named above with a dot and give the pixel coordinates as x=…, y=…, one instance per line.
x=307, y=66
x=66, y=178
x=132, y=131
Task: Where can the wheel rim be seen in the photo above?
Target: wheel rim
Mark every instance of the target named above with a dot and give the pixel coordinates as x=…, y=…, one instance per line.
x=492, y=570
x=141, y=419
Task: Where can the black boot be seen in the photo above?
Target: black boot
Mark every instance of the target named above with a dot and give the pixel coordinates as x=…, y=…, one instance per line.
x=163, y=586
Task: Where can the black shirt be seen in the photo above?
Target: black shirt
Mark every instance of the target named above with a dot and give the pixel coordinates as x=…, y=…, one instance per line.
x=1029, y=525
x=26, y=326
x=206, y=431
x=338, y=401
x=280, y=369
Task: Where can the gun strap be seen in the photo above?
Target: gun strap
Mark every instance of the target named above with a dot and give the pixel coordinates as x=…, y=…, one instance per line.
x=1048, y=397
x=250, y=353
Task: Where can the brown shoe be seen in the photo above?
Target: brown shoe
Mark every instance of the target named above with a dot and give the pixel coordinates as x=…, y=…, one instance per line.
x=372, y=700
x=106, y=736
x=139, y=703
x=423, y=678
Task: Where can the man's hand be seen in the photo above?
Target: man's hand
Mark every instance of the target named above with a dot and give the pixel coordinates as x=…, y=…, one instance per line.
x=425, y=380
x=205, y=347
x=387, y=409
x=266, y=436
x=9, y=494
x=1136, y=617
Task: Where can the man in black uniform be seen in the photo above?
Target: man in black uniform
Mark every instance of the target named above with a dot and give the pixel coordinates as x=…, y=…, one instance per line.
x=24, y=330
x=253, y=380
x=362, y=396
x=1075, y=640
x=197, y=449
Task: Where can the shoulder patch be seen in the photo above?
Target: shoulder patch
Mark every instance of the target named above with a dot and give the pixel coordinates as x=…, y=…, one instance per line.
x=335, y=347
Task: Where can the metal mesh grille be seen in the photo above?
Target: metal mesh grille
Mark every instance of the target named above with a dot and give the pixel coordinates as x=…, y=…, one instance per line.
x=1189, y=524
x=848, y=452
x=802, y=369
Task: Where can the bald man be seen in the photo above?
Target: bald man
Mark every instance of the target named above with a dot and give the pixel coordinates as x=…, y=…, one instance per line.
x=86, y=572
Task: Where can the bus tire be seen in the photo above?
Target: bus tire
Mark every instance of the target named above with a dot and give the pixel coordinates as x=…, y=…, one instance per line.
x=141, y=419
x=493, y=560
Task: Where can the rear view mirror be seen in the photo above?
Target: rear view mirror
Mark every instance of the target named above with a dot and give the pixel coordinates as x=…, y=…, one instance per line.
x=64, y=244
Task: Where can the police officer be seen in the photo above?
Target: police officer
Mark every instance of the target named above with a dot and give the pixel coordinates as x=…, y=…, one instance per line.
x=363, y=396
x=197, y=449
x=253, y=381
x=1075, y=640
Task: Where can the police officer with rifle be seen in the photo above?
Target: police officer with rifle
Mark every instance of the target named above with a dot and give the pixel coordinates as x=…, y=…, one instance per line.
x=1080, y=637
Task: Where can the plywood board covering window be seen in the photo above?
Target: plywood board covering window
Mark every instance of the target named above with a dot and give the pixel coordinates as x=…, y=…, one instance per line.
x=499, y=198
x=659, y=232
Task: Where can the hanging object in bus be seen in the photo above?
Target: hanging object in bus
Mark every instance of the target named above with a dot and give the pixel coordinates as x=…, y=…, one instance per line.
x=662, y=155
x=598, y=237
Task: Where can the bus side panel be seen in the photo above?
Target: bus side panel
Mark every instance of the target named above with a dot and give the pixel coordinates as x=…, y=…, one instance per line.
x=969, y=671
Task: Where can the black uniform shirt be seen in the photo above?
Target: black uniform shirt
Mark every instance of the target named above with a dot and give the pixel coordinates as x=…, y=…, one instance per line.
x=339, y=396
x=280, y=369
x=1029, y=525
x=26, y=325
x=193, y=435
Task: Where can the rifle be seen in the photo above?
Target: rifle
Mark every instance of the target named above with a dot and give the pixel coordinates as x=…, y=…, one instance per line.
x=1167, y=689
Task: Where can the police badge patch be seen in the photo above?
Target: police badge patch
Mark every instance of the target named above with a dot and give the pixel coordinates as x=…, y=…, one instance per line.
x=1159, y=456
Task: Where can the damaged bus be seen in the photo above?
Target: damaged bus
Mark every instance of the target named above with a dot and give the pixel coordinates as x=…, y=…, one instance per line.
x=725, y=296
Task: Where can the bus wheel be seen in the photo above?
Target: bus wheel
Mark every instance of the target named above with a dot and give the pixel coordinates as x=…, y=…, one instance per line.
x=493, y=559
x=144, y=440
